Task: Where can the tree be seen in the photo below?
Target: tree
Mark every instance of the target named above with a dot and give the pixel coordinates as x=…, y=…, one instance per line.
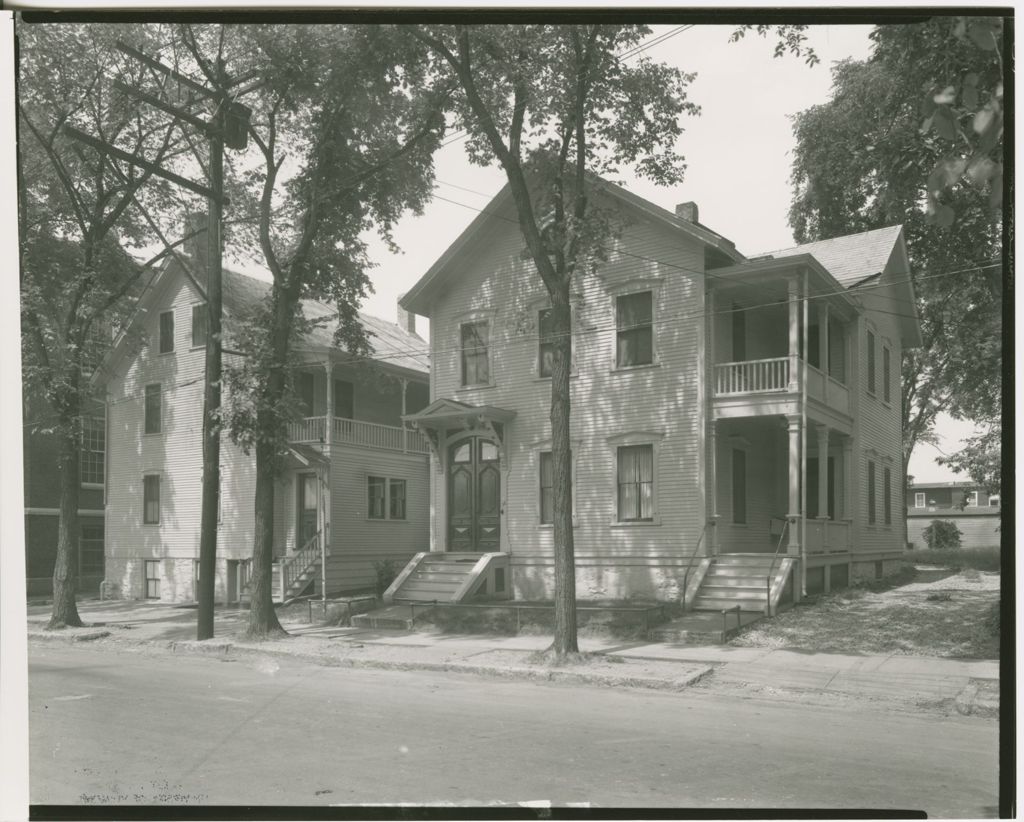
x=74, y=202
x=863, y=161
x=554, y=105
x=343, y=107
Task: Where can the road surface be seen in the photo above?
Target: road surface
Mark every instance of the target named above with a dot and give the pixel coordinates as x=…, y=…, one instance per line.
x=111, y=726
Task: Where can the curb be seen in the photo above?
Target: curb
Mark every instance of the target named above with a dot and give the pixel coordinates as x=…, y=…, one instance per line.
x=60, y=636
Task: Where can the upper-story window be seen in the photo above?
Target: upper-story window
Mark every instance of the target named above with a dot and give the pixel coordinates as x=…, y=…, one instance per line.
x=870, y=354
x=886, y=374
x=475, y=338
x=200, y=324
x=94, y=443
x=151, y=499
x=166, y=332
x=634, y=323
x=154, y=401
x=919, y=500
x=972, y=499
x=546, y=345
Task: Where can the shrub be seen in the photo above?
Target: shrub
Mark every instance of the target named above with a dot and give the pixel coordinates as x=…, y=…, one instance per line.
x=386, y=571
x=942, y=534
x=984, y=559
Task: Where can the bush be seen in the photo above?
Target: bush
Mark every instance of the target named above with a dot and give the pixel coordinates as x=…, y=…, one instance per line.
x=942, y=534
x=386, y=571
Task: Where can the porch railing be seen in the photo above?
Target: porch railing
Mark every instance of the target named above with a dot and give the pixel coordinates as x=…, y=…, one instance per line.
x=751, y=376
x=357, y=432
x=828, y=535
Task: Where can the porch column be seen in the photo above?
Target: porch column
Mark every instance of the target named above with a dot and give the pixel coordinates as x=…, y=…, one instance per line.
x=712, y=532
x=329, y=422
x=794, y=334
x=325, y=537
x=405, y=433
x=823, y=319
x=793, y=515
x=822, y=432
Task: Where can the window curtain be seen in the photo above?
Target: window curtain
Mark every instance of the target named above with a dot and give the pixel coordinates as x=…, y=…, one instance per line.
x=636, y=482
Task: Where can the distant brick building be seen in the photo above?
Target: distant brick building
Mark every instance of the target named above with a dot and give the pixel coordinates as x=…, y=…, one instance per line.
x=974, y=512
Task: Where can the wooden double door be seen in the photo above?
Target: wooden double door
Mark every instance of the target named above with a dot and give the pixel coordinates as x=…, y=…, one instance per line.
x=474, y=496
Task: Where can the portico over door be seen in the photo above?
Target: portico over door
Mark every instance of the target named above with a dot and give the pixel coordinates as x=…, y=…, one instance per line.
x=474, y=495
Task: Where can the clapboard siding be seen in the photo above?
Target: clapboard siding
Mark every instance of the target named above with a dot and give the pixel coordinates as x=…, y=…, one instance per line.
x=976, y=531
x=879, y=425
x=666, y=400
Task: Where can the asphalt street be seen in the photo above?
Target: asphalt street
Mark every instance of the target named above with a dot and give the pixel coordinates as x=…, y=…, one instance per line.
x=113, y=726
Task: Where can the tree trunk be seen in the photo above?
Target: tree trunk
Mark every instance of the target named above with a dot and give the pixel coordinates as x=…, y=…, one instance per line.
x=262, y=616
x=565, y=553
x=65, y=570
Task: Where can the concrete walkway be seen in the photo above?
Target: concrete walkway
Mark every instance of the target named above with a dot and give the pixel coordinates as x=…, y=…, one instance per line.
x=969, y=686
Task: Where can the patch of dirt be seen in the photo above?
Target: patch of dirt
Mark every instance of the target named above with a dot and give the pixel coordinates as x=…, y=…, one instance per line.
x=944, y=618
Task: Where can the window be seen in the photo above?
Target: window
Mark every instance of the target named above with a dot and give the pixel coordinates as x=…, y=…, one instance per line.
x=634, y=321
x=90, y=551
x=636, y=483
x=385, y=498
x=151, y=499
x=972, y=499
x=93, y=450
x=153, y=409
x=919, y=500
x=871, y=492
x=304, y=388
x=152, y=579
x=166, y=332
x=200, y=325
x=475, y=364
x=396, y=499
x=375, y=491
x=546, y=349
x=871, y=362
x=993, y=501
x=887, y=495
x=886, y=374
x=344, y=403
x=739, y=333
x=547, y=488
x=739, y=485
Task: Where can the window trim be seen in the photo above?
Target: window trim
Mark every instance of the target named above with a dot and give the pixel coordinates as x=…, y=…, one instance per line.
x=160, y=332
x=159, y=512
x=386, y=508
x=146, y=578
x=83, y=450
x=653, y=438
x=630, y=292
x=159, y=411
x=196, y=346
x=973, y=500
x=920, y=499
x=462, y=323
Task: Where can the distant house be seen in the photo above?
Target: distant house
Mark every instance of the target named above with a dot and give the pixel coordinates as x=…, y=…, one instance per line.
x=975, y=512
x=355, y=485
x=733, y=417
x=42, y=499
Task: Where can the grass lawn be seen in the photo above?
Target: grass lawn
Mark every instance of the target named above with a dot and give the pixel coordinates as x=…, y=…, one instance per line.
x=947, y=617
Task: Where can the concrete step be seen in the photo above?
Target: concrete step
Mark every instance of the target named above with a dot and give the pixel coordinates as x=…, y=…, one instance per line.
x=745, y=561
x=709, y=603
x=748, y=580
x=732, y=591
x=436, y=576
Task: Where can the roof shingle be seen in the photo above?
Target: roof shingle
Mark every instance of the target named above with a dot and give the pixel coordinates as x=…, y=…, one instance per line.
x=851, y=259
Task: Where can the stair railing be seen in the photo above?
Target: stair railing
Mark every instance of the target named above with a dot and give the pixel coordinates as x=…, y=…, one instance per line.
x=689, y=563
x=294, y=565
x=771, y=572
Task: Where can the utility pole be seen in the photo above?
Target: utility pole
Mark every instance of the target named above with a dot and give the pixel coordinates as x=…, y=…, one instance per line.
x=228, y=126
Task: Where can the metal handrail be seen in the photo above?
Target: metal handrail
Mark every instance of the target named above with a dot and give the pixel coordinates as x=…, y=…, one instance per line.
x=689, y=564
x=771, y=572
x=307, y=555
x=725, y=619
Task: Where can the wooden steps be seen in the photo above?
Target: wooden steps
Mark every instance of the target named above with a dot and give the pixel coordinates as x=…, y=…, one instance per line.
x=738, y=579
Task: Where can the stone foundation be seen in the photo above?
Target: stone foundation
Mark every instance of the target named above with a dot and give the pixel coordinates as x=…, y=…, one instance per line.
x=615, y=582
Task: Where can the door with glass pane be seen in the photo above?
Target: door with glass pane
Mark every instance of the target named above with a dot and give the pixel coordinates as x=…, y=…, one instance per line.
x=306, y=526
x=474, y=496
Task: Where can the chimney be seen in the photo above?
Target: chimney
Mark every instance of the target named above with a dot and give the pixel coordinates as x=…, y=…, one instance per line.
x=687, y=211
x=196, y=247
x=405, y=319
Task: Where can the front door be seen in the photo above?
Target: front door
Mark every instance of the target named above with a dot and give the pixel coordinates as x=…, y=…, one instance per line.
x=474, y=496
x=306, y=505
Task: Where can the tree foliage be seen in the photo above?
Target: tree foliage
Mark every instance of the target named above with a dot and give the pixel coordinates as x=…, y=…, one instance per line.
x=79, y=207
x=863, y=161
x=942, y=534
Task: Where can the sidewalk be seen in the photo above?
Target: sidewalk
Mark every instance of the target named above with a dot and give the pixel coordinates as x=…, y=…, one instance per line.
x=971, y=686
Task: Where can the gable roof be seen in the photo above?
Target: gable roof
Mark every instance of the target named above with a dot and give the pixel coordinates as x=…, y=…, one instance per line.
x=852, y=258
x=418, y=297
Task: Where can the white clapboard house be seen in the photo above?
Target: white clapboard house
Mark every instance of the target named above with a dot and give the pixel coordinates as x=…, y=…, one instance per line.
x=735, y=429
x=355, y=488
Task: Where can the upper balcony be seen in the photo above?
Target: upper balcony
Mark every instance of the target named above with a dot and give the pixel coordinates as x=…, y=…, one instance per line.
x=771, y=344
x=357, y=433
